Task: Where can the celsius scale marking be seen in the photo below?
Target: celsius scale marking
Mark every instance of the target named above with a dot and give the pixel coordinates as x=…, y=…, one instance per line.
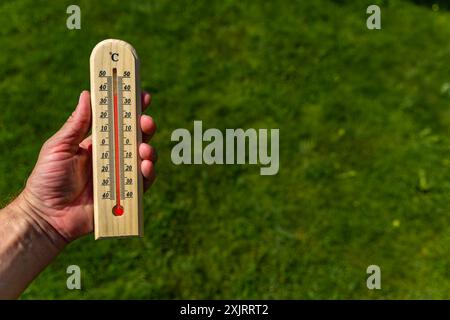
x=116, y=135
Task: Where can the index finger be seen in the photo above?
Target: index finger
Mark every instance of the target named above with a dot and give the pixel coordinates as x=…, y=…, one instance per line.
x=146, y=99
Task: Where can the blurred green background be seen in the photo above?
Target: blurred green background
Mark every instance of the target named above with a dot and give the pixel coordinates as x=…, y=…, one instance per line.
x=364, y=123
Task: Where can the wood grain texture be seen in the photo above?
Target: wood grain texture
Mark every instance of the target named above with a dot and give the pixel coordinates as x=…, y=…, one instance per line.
x=116, y=111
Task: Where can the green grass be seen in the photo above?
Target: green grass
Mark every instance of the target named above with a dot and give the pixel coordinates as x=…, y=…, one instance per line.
x=364, y=123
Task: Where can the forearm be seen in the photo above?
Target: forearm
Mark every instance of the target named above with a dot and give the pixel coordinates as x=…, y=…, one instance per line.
x=27, y=245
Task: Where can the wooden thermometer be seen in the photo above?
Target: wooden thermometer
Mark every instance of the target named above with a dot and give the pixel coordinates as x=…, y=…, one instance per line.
x=116, y=135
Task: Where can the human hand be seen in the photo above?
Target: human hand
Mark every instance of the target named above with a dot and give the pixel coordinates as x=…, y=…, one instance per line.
x=59, y=193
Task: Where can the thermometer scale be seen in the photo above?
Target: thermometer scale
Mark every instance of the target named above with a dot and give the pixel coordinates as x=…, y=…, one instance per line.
x=116, y=135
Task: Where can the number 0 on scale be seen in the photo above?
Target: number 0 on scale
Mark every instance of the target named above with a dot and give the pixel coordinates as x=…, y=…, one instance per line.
x=116, y=135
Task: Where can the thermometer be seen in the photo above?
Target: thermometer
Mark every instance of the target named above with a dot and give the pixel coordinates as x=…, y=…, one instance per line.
x=116, y=135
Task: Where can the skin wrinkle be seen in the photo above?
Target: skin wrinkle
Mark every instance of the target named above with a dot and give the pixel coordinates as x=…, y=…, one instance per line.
x=40, y=213
x=52, y=176
x=42, y=224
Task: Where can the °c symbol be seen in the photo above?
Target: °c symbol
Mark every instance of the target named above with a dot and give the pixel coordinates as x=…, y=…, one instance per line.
x=115, y=57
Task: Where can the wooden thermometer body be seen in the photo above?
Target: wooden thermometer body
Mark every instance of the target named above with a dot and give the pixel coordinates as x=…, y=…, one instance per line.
x=116, y=135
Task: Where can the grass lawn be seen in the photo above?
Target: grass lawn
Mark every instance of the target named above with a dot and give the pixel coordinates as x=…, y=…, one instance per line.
x=364, y=119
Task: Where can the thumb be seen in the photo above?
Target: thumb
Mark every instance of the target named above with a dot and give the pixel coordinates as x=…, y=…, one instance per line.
x=77, y=126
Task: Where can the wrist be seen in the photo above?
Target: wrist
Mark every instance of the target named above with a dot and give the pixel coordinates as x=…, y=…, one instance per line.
x=24, y=212
x=27, y=246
